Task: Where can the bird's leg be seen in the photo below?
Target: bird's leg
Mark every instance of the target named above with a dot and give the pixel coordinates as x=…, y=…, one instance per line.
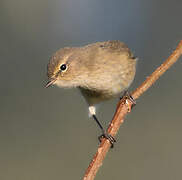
x=104, y=133
x=92, y=112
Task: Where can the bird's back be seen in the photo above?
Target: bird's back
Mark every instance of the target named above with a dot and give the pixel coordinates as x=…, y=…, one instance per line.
x=111, y=70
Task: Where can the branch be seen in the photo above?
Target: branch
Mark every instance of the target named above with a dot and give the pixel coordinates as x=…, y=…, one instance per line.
x=124, y=107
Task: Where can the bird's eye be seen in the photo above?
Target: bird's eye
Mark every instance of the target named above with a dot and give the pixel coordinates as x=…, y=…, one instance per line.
x=63, y=67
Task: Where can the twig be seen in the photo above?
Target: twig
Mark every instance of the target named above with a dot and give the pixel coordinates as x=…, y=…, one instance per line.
x=123, y=107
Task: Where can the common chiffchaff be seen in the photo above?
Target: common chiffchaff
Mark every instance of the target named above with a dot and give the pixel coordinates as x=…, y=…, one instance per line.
x=100, y=70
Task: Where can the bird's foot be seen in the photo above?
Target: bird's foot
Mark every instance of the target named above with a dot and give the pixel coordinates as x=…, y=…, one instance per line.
x=127, y=96
x=107, y=136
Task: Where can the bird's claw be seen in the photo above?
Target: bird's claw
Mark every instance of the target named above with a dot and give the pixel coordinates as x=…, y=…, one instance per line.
x=109, y=137
x=127, y=96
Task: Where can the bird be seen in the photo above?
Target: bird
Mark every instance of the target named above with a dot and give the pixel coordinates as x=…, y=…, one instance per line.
x=100, y=70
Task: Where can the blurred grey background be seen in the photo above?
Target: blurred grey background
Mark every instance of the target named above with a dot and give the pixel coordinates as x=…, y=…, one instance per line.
x=46, y=133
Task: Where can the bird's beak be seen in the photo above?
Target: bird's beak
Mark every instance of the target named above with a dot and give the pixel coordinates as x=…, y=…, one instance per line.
x=51, y=82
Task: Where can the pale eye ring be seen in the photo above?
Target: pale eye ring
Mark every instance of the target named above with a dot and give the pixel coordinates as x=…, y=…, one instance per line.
x=63, y=67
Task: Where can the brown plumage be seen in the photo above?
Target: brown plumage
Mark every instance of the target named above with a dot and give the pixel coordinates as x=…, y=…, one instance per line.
x=100, y=70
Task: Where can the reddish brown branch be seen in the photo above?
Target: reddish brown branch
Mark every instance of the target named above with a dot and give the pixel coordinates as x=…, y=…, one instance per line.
x=123, y=107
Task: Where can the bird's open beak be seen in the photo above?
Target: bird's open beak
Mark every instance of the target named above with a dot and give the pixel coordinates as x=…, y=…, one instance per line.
x=51, y=82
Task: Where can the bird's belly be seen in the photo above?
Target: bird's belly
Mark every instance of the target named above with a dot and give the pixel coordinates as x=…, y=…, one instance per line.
x=96, y=96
